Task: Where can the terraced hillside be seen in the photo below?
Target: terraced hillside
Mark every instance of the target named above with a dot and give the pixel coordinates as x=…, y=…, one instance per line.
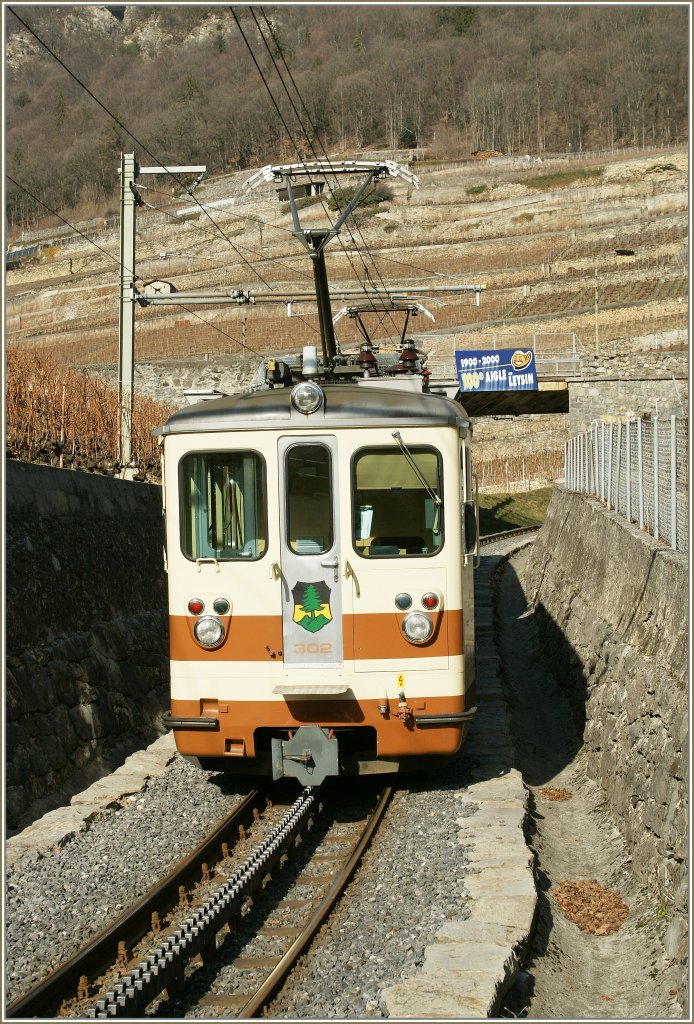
x=536, y=243
x=569, y=251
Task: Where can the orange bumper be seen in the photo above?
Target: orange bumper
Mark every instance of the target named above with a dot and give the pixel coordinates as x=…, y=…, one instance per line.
x=428, y=726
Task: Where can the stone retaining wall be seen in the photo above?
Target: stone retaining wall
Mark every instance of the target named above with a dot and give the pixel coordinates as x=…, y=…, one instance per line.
x=87, y=631
x=165, y=380
x=620, y=385
x=612, y=608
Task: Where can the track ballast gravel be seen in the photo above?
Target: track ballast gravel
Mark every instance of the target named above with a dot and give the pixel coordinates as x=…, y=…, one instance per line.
x=55, y=902
x=411, y=881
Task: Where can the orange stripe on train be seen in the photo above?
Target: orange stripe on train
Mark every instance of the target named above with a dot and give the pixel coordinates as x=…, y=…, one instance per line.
x=259, y=638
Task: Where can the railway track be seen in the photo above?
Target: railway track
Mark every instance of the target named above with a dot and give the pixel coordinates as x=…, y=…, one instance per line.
x=157, y=952
x=44, y=998
x=492, y=538
x=147, y=956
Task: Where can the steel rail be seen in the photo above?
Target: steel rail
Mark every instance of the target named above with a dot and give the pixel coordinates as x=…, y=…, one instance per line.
x=265, y=991
x=100, y=952
x=165, y=966
x=492, y=538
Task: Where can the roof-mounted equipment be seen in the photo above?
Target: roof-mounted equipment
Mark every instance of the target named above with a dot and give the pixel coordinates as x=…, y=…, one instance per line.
x=314, y=240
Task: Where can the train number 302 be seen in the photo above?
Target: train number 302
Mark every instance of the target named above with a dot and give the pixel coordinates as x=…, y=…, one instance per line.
x=313, y=648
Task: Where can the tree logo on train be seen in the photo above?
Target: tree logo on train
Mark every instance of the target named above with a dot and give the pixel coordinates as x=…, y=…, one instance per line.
x=312, y=605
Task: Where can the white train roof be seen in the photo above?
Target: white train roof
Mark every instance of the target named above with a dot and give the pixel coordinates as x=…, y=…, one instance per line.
x=345, y=405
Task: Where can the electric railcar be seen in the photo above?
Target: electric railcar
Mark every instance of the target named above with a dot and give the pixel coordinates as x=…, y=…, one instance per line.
x=320, y=543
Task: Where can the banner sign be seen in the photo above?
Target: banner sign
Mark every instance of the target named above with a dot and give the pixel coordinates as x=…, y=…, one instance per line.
x=501, y=369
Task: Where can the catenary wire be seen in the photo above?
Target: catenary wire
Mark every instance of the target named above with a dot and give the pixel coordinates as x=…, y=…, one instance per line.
x=119, y=264
x=170, y=173
x=139, y=143
x=282, y=119
x=317, y=136
x=203, y=206
x=372, y=254
x=262, y=259
x=308, y=137
x=55, y=214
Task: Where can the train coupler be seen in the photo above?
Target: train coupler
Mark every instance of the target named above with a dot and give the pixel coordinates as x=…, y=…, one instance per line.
x=309, y=756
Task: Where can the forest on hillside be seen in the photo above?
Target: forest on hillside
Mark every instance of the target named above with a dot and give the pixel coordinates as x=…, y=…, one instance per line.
x=193, y=85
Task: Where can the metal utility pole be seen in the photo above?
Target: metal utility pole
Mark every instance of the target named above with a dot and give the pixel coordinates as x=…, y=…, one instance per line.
x=129, y=199
x=126, y=318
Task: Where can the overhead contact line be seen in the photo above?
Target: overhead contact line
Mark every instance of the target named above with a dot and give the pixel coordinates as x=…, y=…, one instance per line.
x=320, y=143
x=142, y=146
x=118, y=263
x=67, y=222
x=277, y=43
x=206, y=206
x=284, y=123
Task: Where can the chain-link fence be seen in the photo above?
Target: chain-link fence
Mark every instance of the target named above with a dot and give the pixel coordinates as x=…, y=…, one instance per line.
x=639, y=468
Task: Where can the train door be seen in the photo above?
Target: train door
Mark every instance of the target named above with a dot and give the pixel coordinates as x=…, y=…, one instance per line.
x=309, y=552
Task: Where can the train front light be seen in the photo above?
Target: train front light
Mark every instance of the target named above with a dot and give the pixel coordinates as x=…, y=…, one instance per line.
x=209, y=631
x=417, y=627
x=307, y=397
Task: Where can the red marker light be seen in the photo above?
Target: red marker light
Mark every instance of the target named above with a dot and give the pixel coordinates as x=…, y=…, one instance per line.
x=196, y=606
x=430, y=601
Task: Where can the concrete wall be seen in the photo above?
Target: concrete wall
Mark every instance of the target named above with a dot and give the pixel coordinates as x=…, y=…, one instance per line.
x=87, y=631
x=613, y=607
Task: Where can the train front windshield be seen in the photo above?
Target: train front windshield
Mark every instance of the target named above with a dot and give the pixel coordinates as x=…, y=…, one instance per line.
x=395, y=511
x=223, y=505
x=394, y=506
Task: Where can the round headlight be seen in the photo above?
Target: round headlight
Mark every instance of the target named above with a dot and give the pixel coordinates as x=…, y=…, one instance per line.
x=209, y=631
x=307, y=397
x=417, y=627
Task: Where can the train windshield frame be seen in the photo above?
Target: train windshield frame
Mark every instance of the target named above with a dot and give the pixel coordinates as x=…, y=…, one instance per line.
x=393, y=514
x=223, y=505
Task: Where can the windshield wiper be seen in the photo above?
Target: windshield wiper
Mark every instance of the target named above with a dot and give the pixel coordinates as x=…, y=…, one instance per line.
x=432, y=494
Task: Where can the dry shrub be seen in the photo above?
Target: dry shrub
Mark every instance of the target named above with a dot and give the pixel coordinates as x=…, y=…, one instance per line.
x=64, y=417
